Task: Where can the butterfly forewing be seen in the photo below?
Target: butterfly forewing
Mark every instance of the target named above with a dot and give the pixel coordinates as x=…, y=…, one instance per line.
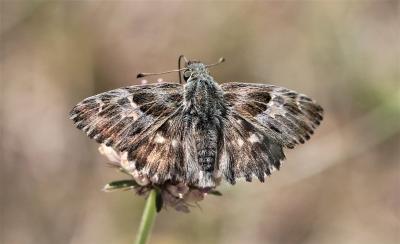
x=119, y=117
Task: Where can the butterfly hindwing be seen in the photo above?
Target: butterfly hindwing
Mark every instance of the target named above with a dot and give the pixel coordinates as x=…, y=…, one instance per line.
x=161, y=154
x=247, y=151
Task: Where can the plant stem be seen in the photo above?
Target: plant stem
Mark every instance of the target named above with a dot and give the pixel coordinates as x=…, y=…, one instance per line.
x=148, y=217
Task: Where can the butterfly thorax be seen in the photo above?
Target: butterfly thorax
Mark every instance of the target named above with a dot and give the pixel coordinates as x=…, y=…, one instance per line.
x=203, y=96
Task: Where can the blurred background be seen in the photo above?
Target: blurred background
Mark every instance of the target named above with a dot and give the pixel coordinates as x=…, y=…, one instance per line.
x=340, y=187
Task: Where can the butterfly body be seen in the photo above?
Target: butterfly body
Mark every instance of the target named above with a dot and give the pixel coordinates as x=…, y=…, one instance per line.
x=199, y=132
x=204, y=112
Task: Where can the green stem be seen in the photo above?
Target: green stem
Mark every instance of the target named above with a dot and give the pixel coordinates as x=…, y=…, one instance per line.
x=148, y=217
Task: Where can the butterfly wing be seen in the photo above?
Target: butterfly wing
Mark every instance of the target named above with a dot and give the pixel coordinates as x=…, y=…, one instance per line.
x=247, y=150
x=159, y=154
x=263, y=119
x=122, y=117
x=148, y=123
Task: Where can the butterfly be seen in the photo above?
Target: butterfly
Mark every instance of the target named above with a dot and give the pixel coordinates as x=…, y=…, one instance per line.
x=200, y=131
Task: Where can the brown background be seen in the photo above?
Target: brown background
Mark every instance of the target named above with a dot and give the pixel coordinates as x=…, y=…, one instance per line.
x=340, y=187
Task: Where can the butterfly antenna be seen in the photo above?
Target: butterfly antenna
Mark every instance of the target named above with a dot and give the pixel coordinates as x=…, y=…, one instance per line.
x=221, y=60
x=141, y=75
x=179, y=66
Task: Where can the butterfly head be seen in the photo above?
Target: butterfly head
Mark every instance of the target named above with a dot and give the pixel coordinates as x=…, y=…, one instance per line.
x=195, y=69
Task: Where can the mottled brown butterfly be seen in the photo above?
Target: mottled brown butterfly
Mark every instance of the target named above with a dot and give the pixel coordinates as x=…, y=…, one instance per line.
x=199, y=131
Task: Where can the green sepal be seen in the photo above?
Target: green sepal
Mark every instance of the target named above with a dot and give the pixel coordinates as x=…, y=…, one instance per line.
x=120, y=185
x=215, y=193
x=159, y=201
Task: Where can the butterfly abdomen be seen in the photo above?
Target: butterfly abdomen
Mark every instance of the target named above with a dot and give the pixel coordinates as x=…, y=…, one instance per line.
x=206, y=145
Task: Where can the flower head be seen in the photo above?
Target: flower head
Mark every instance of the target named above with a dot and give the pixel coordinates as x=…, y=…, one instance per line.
x=178, y=195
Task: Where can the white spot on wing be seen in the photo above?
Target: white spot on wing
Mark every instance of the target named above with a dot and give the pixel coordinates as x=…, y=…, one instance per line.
x=240, y=142
x=272, y=168
x=101, y=104
x=159, y=138
x=253, y=138
x=90, y=130
x=174, y=143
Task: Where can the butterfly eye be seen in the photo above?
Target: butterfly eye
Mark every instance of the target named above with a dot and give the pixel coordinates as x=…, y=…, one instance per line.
x=187, y=74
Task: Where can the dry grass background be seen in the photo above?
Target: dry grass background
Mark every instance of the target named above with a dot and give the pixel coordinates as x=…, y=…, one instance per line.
x=340, y=187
